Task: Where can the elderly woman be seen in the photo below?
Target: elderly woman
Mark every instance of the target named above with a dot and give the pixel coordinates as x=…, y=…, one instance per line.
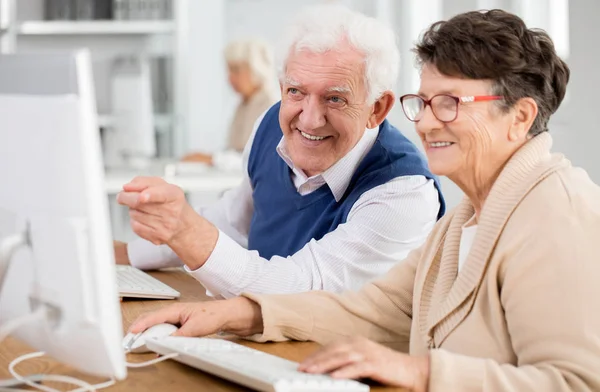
x=504, y=295
x=251, y=74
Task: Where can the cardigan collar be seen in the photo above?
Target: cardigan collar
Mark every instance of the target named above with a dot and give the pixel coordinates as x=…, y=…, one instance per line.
x=452, y=294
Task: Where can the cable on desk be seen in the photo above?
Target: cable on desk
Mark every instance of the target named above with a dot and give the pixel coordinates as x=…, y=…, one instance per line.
x=84, y=386
x=38, y=315
x=152, y=361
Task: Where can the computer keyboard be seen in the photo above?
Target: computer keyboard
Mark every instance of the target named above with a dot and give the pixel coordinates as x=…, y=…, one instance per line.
x=247, y=366
x=135, y=283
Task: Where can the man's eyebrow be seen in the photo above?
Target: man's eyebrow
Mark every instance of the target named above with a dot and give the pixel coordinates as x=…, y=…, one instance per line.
x=343, y=89
x=292, y=82
x=339, y=89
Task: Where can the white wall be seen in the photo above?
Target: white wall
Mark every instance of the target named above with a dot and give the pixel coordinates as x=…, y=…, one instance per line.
x=577, y=130
x=204, y=77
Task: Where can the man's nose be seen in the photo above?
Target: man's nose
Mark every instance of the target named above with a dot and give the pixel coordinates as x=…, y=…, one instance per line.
x=313, y=114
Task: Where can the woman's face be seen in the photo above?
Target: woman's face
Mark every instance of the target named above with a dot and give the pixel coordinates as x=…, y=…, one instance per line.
x=240, y=78
x=476, y=145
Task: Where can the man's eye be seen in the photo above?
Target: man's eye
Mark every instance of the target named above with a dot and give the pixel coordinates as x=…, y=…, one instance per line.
x=292, y=90
x=336, y=99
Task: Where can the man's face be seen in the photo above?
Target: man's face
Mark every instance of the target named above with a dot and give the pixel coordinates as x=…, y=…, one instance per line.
x=324, y=109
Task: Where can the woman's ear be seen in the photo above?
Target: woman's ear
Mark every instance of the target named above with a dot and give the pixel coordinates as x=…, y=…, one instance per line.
x=525, y=113
x=381, y=108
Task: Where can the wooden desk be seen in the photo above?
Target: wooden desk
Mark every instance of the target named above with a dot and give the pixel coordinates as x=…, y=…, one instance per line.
x=165, y=376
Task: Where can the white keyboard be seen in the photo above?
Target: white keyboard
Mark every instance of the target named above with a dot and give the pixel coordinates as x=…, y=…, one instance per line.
x=247, y=366
x=135, y=283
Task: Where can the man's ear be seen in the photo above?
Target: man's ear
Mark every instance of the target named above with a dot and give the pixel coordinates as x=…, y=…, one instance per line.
x=381, y=108
x=525, y=112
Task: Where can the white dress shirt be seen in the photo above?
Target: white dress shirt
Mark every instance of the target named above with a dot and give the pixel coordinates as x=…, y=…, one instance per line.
x=383, y=225
x=467, y=237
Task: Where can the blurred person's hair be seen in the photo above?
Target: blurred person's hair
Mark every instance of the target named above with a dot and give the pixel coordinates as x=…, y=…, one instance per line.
x=257, y=54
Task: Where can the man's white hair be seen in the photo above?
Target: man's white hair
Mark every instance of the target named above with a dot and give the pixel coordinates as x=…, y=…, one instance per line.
x=321, y=28
x=257, y=54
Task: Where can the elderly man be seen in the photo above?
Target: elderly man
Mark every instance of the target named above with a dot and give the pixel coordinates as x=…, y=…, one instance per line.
x=334, y=195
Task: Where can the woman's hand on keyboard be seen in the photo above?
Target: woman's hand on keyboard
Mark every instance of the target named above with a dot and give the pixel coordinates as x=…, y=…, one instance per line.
x=359, y=357
x=240, y=316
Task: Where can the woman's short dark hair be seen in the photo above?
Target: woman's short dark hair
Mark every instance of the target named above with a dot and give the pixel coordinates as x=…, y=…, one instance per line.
x=497, y=45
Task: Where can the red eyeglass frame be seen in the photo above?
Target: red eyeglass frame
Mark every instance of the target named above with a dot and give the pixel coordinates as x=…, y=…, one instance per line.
x=459, y=100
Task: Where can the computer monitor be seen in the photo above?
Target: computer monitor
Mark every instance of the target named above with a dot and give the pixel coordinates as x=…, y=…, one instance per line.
x=131, y=139
x=52, y=193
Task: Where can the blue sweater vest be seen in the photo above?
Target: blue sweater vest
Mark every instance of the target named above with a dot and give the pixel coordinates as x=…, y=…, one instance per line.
x=284, y=221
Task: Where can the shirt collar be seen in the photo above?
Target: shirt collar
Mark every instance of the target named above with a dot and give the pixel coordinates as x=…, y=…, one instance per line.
x=338, y=176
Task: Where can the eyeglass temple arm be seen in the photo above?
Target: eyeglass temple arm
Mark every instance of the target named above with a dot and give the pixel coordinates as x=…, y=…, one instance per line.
x=478, y=98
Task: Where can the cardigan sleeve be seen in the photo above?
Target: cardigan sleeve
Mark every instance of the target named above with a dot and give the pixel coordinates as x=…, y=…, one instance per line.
x=550, y=292
x=381, y=311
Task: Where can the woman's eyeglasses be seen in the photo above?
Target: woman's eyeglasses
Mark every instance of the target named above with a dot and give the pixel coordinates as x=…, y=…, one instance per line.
x=443, y=106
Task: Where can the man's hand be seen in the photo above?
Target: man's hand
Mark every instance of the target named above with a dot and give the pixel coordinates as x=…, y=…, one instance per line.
x=160, y=214
x=240, y=316
x=121, y=256
x=158, y=210
x=361, y=358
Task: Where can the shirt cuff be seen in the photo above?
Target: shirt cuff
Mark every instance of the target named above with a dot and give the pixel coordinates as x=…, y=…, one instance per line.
x=224, y=268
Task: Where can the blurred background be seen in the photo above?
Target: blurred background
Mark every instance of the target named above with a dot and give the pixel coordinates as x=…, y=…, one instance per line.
x=163, y=84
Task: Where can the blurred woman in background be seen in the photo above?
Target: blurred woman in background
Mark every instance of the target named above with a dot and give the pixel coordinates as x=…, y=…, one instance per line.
x=251, y=72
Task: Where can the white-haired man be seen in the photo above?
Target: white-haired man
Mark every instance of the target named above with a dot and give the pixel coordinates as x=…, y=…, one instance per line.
x=334, y=195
